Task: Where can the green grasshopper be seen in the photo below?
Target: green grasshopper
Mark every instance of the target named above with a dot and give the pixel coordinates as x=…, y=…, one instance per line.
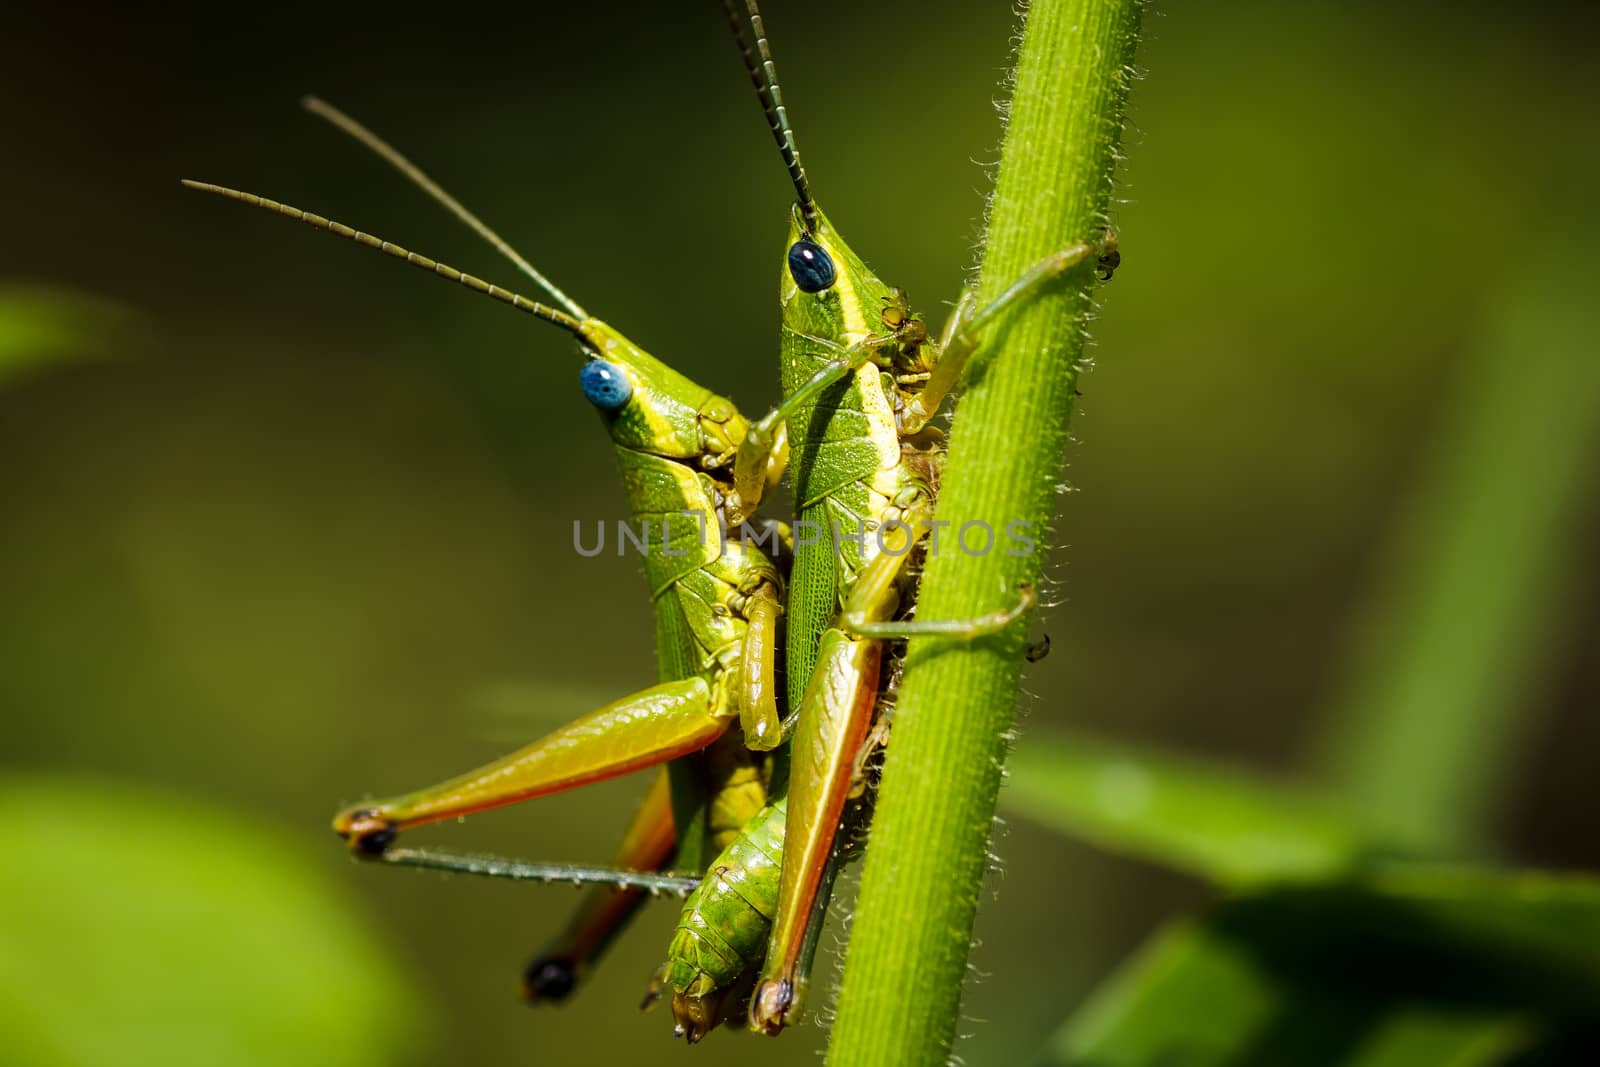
x=717, y=604
x=861, y=380
x=724, y=924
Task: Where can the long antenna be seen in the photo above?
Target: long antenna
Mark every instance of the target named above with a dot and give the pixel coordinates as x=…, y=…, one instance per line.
x=764, y=76
x=413, y=172
x=505, y=296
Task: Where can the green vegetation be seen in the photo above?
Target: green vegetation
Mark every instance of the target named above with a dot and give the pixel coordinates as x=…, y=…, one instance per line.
x=929, y=844
x=275, y=514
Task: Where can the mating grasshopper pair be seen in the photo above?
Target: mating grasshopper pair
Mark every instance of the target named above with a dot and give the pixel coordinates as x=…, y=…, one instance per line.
x=861, y=381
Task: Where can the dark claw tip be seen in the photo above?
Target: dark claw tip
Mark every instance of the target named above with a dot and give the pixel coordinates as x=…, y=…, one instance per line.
x=549, y=978
x=375, y=843
x=1107, y=265
x=365, y=831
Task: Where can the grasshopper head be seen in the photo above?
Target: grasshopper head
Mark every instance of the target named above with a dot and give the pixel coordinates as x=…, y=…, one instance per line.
x=825, y=290
x=649, y=407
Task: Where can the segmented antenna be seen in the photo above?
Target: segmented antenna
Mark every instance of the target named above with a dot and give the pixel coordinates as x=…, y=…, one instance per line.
x=764, y=76
x=443, y=270
x=413, y=172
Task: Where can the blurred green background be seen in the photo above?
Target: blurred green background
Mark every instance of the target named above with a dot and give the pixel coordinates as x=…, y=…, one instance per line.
x=291, y=525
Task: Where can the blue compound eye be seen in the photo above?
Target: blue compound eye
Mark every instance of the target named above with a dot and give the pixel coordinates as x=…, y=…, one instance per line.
x=810, y=267
x=605, y=385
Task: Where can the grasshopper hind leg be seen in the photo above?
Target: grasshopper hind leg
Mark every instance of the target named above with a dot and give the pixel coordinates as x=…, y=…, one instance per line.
x=648, y=845
x=644, y=730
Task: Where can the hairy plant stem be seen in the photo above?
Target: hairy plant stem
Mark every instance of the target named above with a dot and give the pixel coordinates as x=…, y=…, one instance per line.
x=929, y=844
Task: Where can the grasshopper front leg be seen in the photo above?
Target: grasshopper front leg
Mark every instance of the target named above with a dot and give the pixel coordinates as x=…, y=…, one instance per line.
x=756, y=691
x=764, y=452
x=962, y=335
x=764, y=449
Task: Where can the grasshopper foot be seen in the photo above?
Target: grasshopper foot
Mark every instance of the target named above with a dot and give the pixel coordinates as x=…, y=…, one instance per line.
x=365, y=831
x=771, y=1005
x=549, y=978
x=1110, y=258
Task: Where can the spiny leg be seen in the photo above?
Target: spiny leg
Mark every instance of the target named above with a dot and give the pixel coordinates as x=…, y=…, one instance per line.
x=647, y=846
x=484, y=865
x=648, y=728
x=962, y=335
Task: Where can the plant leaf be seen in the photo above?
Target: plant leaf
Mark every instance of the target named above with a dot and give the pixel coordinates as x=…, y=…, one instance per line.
x=1420, y=966
x=143, y=927
x=1220, y=824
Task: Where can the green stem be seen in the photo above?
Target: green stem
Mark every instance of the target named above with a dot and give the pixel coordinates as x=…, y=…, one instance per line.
x=930, y=837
